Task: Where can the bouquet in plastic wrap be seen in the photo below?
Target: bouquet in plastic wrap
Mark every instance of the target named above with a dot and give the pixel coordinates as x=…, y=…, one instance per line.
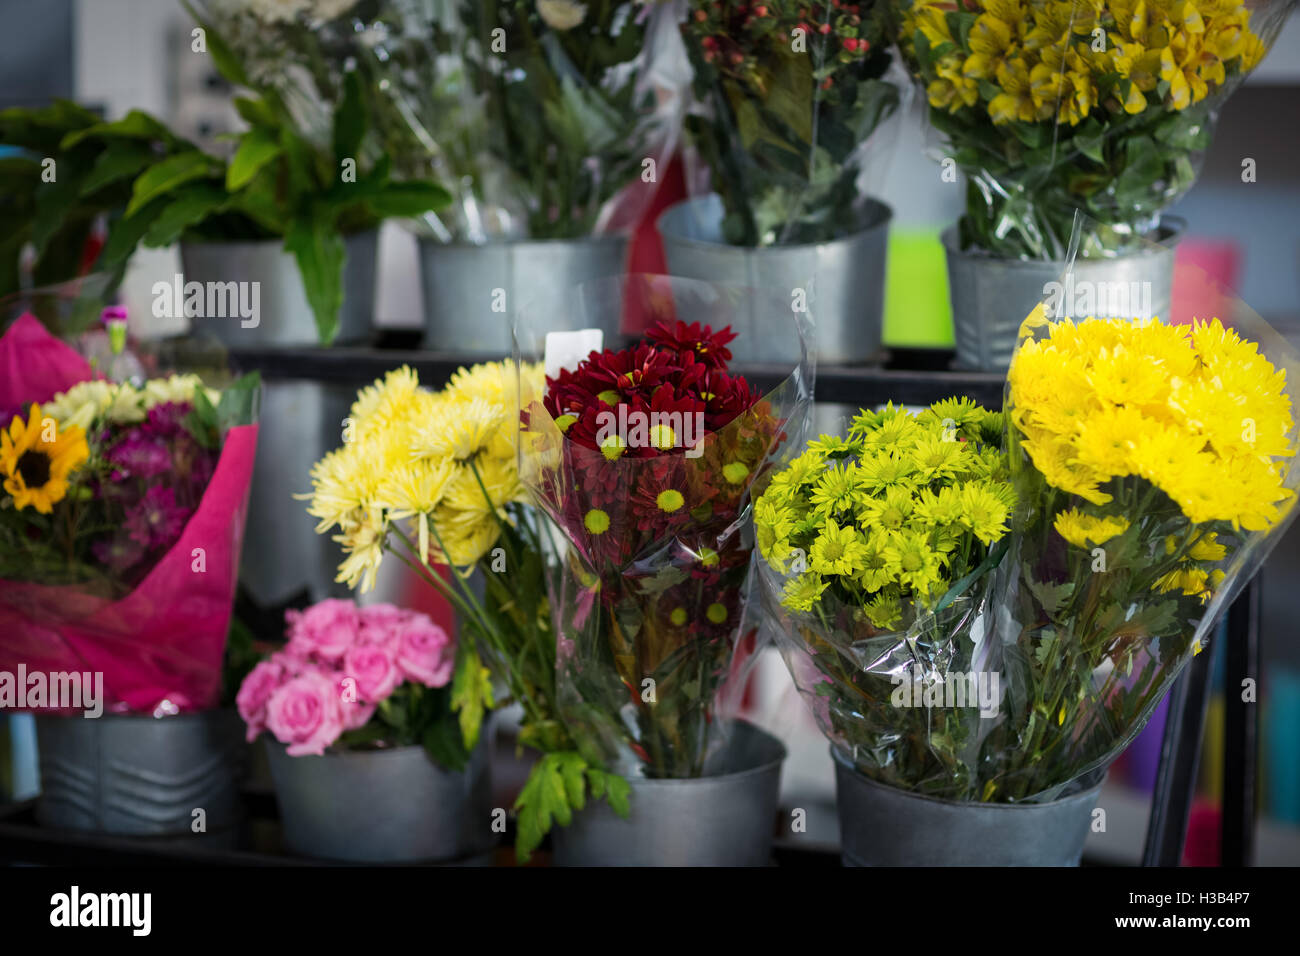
x=791, y=94
x=121, y=517
x=570, y=106
x=1107, y=106
x=877, y=551
x=1153, y=466
x=644, y=457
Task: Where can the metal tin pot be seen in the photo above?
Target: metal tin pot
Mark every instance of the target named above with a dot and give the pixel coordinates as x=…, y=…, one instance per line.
x=885, y=826
x=992, y=296
x=285, y=316
x=383, y=806
x=845, y=276
x=131, y=775
x=725, y=818
x=462, y=285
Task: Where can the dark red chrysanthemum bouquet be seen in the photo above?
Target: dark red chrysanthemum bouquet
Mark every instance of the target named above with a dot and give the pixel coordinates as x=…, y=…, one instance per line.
x=645, y=458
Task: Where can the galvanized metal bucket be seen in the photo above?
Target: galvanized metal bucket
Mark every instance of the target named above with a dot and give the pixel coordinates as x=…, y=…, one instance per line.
x=471, y=292
x=845, y=277
x=991, y=296
x=285, y=317
x=140, y=776
x=383, y=806
x=885, y=826
x=723, y=819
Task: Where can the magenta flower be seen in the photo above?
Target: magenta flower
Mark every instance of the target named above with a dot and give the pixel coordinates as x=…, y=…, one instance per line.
x=156, y=521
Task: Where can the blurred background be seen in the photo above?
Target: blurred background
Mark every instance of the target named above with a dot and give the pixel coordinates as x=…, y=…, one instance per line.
x=114, y=55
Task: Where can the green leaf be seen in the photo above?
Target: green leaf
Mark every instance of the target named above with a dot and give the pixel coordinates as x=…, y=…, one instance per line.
x=185, y=210
x=471, y=692
x=256, y=111
x=240, y=402
x=320, y=253
x=349, y=119
x=126, y=234
x=256, y=148
x=167, y=175
x=555, y=789
x=202, y=421
x=407, y=200
x=134, y=125
x=442, y=741
x=120, y=160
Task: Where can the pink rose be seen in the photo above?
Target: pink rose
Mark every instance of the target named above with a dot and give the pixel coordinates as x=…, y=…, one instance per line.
x=306, y=714
x=255, y=691
x=425, y=654
x=374, y=671
x=325, y=630
x=381, y=625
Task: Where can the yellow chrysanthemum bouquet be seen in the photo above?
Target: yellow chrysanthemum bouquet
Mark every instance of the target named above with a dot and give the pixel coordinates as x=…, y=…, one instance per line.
x=877, y=551
x=432, y=478
x=1049, y=106
x=1155, y=465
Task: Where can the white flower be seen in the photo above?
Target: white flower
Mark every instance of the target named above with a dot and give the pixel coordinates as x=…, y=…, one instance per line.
x=278, y=11
x=561, y=14
x=331, y=9
x=177, y=388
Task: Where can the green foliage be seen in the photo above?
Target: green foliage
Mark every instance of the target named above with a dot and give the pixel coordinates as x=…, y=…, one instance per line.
x=786, y=123
x=558, y=786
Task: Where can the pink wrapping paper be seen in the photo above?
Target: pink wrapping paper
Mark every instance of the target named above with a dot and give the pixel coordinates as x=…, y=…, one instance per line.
x=165, y=640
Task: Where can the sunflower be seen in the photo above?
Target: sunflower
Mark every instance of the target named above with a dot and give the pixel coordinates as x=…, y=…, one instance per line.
x=36, y=459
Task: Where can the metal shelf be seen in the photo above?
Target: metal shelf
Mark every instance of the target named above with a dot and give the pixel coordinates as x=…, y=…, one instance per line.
x=909, y=376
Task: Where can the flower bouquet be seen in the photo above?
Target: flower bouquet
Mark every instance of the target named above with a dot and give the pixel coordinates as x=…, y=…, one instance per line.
x=876, y=554
x=793, y=93
x=121, y=516
x=121, y=519
x=360, y=702
x=570, y=110
x=1155, y=465
x=433, y=479
x=1104, y=106
x=642, y=457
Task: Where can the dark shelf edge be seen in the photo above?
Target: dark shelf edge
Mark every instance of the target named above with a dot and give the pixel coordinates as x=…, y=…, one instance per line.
x=913, y=377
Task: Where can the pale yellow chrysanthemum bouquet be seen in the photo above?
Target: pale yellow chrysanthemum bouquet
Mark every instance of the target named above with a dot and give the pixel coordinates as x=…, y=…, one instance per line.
x=432, y=478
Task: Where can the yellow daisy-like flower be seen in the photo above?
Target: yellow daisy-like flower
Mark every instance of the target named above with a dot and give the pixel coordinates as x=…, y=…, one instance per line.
x=1086, y=531
x=36, y=458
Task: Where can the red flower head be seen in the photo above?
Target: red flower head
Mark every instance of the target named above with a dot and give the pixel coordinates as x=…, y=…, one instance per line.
x=694, y=342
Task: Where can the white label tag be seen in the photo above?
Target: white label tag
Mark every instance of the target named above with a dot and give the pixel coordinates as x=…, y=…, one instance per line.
x=567, y=350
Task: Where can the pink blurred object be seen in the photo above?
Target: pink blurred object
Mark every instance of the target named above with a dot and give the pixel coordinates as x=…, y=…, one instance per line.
x=35, y=366
x=164, y=641
x=1203, y=829
x=1205, y=280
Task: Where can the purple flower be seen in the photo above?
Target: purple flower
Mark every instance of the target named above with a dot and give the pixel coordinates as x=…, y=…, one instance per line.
x=166, y=420
x=156, y=520
x=119, y=552
x=139, y=455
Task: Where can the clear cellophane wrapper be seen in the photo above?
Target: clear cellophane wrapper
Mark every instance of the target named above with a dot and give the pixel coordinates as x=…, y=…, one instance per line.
x=1050, y=108
x=652, y=643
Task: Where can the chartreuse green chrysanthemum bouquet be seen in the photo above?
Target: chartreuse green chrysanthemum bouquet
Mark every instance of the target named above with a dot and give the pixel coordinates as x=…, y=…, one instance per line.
x=875, y=550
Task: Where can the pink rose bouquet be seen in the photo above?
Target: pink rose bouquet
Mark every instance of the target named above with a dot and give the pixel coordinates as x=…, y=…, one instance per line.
x=354, y=677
